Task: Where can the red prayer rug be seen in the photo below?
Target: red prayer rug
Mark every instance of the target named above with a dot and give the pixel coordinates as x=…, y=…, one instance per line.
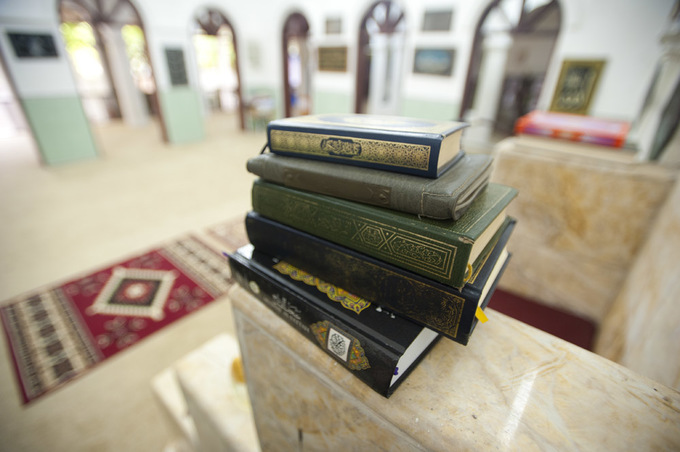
x=59, y=332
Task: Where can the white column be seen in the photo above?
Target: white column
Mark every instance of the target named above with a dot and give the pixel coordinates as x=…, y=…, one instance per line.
x=644, y=130
x=489, y=87
x=378, y=75
x=131, y=100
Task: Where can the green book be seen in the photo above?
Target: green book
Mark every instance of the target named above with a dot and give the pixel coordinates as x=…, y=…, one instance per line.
x=447, y=251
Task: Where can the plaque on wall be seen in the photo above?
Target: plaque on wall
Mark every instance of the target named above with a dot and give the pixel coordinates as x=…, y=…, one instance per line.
x=433, y=61
x=33, y=45
x=333, y=26
x=576, y=86
x=333, y=59
x=176, y=67
x=437, y=20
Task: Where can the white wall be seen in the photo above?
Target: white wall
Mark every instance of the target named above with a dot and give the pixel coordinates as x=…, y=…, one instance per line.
x=624, y=32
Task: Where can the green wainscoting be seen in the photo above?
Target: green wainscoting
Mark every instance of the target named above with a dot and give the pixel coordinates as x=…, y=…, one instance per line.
x=182, y=115
x=326, y=102
x=60, y=128
x=429, y=110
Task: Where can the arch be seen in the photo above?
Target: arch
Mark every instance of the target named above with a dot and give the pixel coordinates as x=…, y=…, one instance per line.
x=108, y=15
x=382, y=17
x=520, y=86
x=213, y=22
x=295, y=65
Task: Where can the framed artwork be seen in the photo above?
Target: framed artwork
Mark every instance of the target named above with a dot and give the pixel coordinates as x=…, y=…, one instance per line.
x=32, y=45
x=333, y=59
x=176, y=67
x=333, y=26
x=433, y=61
x=576, y=86
x=436, y=20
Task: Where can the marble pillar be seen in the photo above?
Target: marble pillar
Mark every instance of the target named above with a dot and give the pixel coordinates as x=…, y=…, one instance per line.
x=583, y=213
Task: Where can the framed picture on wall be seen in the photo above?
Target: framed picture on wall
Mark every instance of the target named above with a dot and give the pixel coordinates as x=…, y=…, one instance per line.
x=437, y=20
x=176, y=67
x=434, y=61
x=333, y=59
x=32, y=45
x=576, y=86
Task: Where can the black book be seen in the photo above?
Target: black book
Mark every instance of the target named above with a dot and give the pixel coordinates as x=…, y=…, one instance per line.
x=442, y=308
x=377, y=346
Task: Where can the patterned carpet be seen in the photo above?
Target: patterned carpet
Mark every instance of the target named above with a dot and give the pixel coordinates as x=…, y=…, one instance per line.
x=60, y=332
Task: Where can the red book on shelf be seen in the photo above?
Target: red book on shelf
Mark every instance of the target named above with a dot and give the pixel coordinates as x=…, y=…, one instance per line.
x=586, y=129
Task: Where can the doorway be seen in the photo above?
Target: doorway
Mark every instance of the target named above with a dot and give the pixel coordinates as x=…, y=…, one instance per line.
x=218, y=68
x=107, y=48
x=379, y=59
x=511, y=51
x=296, y=70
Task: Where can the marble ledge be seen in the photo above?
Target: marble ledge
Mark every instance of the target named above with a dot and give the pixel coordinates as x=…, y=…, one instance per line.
x=513, y=387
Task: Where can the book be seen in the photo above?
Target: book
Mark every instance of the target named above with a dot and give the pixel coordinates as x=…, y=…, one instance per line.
x=420, y=147
x=378, y=347
x=449, y=311
x=586, y=129
x=446, y=197
x=443, y=250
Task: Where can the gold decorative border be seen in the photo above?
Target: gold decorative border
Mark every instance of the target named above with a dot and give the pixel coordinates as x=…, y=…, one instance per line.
x=391, y=153
x=347, y=300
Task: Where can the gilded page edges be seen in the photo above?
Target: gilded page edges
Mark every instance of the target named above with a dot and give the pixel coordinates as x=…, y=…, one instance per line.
x=385, y=152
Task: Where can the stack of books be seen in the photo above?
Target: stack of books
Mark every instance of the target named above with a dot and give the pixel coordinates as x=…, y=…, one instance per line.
x=374, y=237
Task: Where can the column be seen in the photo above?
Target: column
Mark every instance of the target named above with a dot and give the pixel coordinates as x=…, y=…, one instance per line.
x=131, y=100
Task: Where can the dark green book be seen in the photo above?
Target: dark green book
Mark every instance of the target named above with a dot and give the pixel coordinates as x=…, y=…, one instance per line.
x=446, y=251
x=446, y=197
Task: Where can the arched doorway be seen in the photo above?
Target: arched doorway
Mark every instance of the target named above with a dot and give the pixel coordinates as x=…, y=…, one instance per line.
x=511, y=51
x=296, y=73
x=106, y=44
x=217, y=58
x=379, y=59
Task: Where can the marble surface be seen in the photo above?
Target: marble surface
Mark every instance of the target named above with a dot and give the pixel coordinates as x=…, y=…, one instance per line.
x=583, y=213
x=642, y=329
x=208, y=406
x=512, y=388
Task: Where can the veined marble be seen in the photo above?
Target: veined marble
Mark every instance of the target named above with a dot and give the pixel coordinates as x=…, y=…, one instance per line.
x=512, y=388
x=642, y=329
x=583, y=213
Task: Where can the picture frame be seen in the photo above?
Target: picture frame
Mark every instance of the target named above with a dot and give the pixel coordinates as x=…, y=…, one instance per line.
x=434, y=61
x=332, y=59
x=437, y=20
x=176, y=66
x=33, y=45
x=576, y=86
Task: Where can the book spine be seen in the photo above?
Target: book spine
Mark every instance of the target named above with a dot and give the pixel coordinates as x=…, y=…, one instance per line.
x=387, y=189
x=389, y=152
x=365, y=358
x=370, y=230
x=438, y=307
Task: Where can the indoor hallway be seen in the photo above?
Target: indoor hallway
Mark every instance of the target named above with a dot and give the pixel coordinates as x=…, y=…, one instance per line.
x=61, y=222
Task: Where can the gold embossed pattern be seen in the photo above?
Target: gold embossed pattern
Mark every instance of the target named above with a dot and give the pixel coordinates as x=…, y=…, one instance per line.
x=356, y=357
x=392, y=153
x=346, y=299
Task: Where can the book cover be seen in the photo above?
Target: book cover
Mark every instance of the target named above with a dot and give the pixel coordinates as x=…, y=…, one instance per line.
x=378, y=347
x=446, y=197
x=586, y=129
x=442, y=308
x=420, y=147
x=443, y=250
